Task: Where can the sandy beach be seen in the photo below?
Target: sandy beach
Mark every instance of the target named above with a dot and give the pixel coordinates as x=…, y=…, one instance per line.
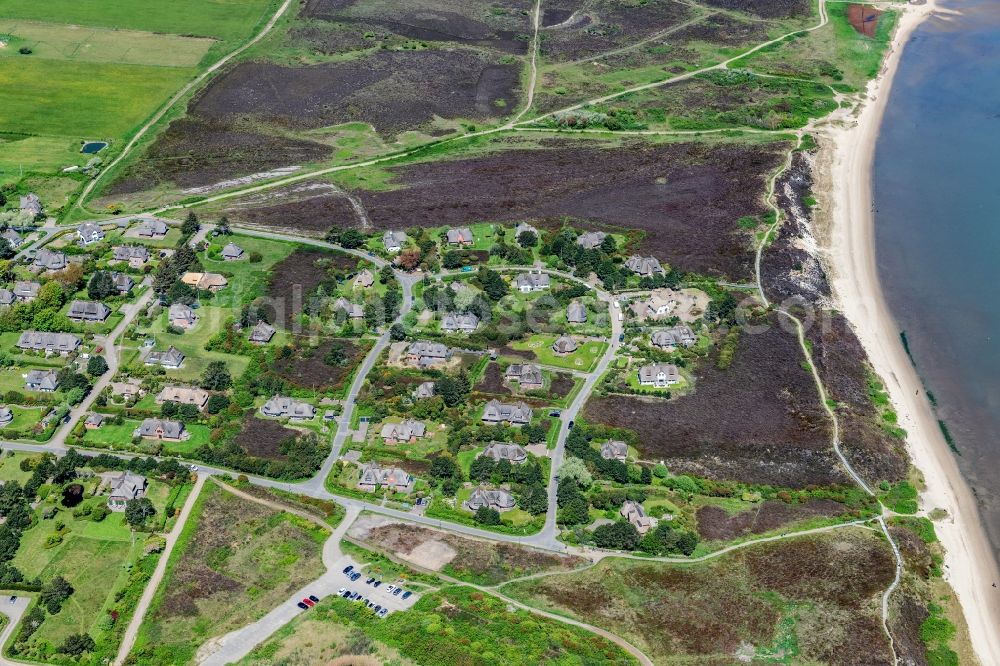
x=845, y=175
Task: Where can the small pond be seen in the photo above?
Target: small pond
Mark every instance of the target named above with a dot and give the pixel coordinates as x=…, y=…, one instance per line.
x=91, y=147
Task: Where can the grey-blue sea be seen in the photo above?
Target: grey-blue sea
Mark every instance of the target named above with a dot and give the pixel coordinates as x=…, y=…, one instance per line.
x=936, y=186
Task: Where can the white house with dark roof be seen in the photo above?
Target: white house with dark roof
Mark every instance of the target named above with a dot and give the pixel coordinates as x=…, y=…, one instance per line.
x=171, y=431
x=152, y=229
x=172, y=359
x=392, y=478
x=425, y=354
x=50, y=260
x=516, y=414
x=135, y=255
x=124, y=489
x=533, y=281
x=591, y=239
x=232, y=252
x=513, y=453
x=31, y=204
x=491, y=498
x=393, y=241
x=459, y=322
x=45, y=381
x=673, y=337
x=123, y=282
x=364, y=279
x=352, y=310
x=183, y=395
x=182, y=316
x=282, y=406
x=644, y=266
x=60, y=343
x=461, y=236
x=424, y=390
x=564, y=345
x=576, y=313
x=261, y=333
x=90, y=233
x=88, y=312
x=635, y=514
x=659, y=375
x=14, y=239
x=405, y=431
x=527, y=375
x=614, y=449
x=524, y=226
x=25, y=290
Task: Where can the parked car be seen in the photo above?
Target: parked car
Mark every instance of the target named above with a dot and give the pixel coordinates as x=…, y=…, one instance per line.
x=342, y=590
x=349, y=568
x=355, y=576
x=378, y=608
x=377, y=583
x=13, y=600
x=396, y=592
x=302, y=606
x=406, y=595
x=383, y=612
x=621, y=337
x=571, y=424
x=309, y=602
x=390, y=588
x=370, y=580
x=314, y=598
x=345, y=594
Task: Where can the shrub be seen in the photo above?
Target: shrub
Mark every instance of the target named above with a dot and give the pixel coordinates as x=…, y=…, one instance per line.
x=620, y=536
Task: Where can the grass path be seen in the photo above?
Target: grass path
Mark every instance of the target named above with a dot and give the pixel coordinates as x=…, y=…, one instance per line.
x=128, y=640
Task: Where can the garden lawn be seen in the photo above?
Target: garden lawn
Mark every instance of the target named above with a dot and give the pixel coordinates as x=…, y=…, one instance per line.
x=10, y=469
x=585, y=358
x=92, y=100
x=96, y=569
x=247, y=280
x=192, y=344
x=24, y=418
x=120, y=437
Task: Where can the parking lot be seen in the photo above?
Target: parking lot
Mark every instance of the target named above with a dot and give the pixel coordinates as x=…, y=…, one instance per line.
x=381, y=596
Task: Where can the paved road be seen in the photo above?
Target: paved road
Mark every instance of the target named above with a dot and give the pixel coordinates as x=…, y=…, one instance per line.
x=111, y=356
x=14, y=612
x=128, y=640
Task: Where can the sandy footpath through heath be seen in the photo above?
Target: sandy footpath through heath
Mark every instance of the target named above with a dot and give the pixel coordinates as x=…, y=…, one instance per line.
x=846, y=165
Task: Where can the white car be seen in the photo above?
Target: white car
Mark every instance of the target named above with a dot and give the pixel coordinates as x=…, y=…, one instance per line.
x=342, y=590
x=390, y=588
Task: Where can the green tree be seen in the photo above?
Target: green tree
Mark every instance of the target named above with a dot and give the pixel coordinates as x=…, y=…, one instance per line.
x=609, y=245
x=190, y=226
x=620, y=536
x=397, y=332
x=492, y=283
x=451, y=389
x=487, y=516
x=101, y=286
x=481, y=468
x=54, y=593
x=96, y=366
x=138, y=511
x=452, y=259
x=443, y=467
x=76, y=644
x=216, y=377
x=222, y=228
x=216, y=403
x=574, y=468
x=527, y=238
x=50, y=296
x=351, y=239
x=6, y=251
x=336, y=356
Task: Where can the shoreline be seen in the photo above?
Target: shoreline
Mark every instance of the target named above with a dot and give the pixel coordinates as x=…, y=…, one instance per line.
x=849, y=248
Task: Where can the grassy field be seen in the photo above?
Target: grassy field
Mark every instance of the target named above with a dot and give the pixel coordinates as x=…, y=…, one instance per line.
x=57, y=41
x=585, y=358
x=235, y=560
x=10, y=469
x=220, y=19
x=82, y=100
x=456, y=626
x=120, y=437
x=192, y=344
x=247, y=280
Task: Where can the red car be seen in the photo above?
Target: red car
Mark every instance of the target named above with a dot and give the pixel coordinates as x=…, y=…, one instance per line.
x=309, y=602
